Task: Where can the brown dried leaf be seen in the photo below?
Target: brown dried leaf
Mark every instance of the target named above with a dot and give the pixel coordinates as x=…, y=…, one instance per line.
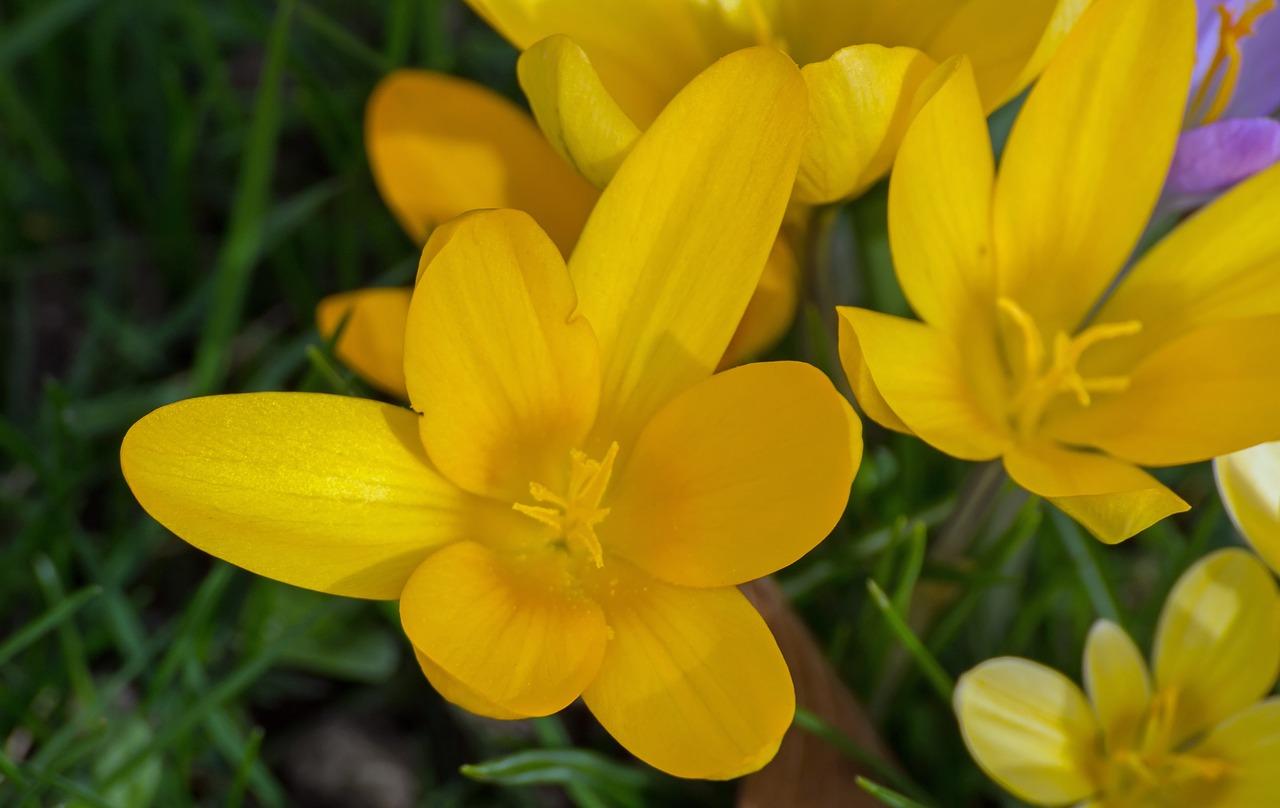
x=808, y=771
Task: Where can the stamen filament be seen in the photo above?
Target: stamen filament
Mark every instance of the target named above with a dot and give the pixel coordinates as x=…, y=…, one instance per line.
x=1226, y=58
x=575, y=515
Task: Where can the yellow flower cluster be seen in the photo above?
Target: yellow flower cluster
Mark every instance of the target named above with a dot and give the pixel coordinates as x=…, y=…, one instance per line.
x=587, y=470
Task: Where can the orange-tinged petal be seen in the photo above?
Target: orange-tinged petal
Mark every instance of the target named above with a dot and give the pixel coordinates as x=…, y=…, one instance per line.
x=456, y=692
x=771, y=309
x=518, y=634
x=1087, y=156
x=738, y=477
x=1211, y=392
x=645, y=52
x=1249, y=742
x=860, y=102
x=940, y=204
x=926, y=381
x=1116, y=679
x=1031, y=729
x=692, y=682
x=1249, y=482
x=506, y=377
x=1218, y=642
x=575, y=111
x=323, y=492
x=440, y=146
x=1111, y=498
x=675, y=247
x=372, y=339
x=1221, y=264
x=1009, y=43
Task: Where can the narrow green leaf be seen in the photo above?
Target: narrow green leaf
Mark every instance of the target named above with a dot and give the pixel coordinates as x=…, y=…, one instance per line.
x=62, y=611
x=933, y=671
x=891, y=798
x=246, y=233
x=1080, y=549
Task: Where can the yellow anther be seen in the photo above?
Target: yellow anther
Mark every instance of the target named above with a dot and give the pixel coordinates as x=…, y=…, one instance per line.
x=1039, y=381
x=1154, y=768
x=576, y=514
x=1224, y=69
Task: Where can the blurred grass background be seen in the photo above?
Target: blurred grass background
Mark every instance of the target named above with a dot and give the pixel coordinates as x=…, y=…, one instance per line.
x=182, y=181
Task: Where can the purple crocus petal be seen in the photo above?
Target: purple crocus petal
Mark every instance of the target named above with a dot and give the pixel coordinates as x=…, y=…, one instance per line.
x=1211, y=158
x=1258, y=89
x=1258, y=86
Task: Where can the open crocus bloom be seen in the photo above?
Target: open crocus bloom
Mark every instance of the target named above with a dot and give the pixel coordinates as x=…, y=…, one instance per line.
x=1024, y=353
x=440, y=146
x=1249, y=481
x=570, y=508
x=1234, y=87
x=1193, y=735
x=597, y=72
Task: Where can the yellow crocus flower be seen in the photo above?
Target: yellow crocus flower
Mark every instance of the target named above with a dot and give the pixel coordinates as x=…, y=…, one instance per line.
x=570, y=505
x=1192, y=733
x=1249, y=482
x=440, y=146
x=597, y=72
x=1026, y=352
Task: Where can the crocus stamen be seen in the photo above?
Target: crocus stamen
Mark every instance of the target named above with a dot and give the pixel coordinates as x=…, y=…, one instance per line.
x=1042, y=381
x=575, y=515
x=1226, y=59
x=1153, y=766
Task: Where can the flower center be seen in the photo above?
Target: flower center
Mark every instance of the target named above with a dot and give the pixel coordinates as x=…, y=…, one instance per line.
x=574, y=515
x=1152, y=767
x=1224, y=69
x=1042, y=376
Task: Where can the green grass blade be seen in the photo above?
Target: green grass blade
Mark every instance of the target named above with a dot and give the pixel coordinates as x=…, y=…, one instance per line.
x=246, y=233
x=1095, y=584
x=63, y=611
x=933, y=671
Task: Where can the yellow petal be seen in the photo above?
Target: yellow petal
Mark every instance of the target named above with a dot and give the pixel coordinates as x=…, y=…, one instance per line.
x=574, y=109
x=676, y=245
x=1249, y=482
x=1115, y=677
x=1208, y=393
x=372, y=340
x=517, y=634
x=1009, y=43
x=457, y=693
x=645, y=52
x=940, y=204
x=771, y=309
x=926, y=382
x=1030, y=729
x=440, y=146
x=865, y=392
x=1216, y=644
x=506, y=378
x=1250, y=743
x=692, y=682
x=860, y=102
x=1111, y=498
x=1088, y=154
x=738, y=477
x=1221, y=264
x=323, y=492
